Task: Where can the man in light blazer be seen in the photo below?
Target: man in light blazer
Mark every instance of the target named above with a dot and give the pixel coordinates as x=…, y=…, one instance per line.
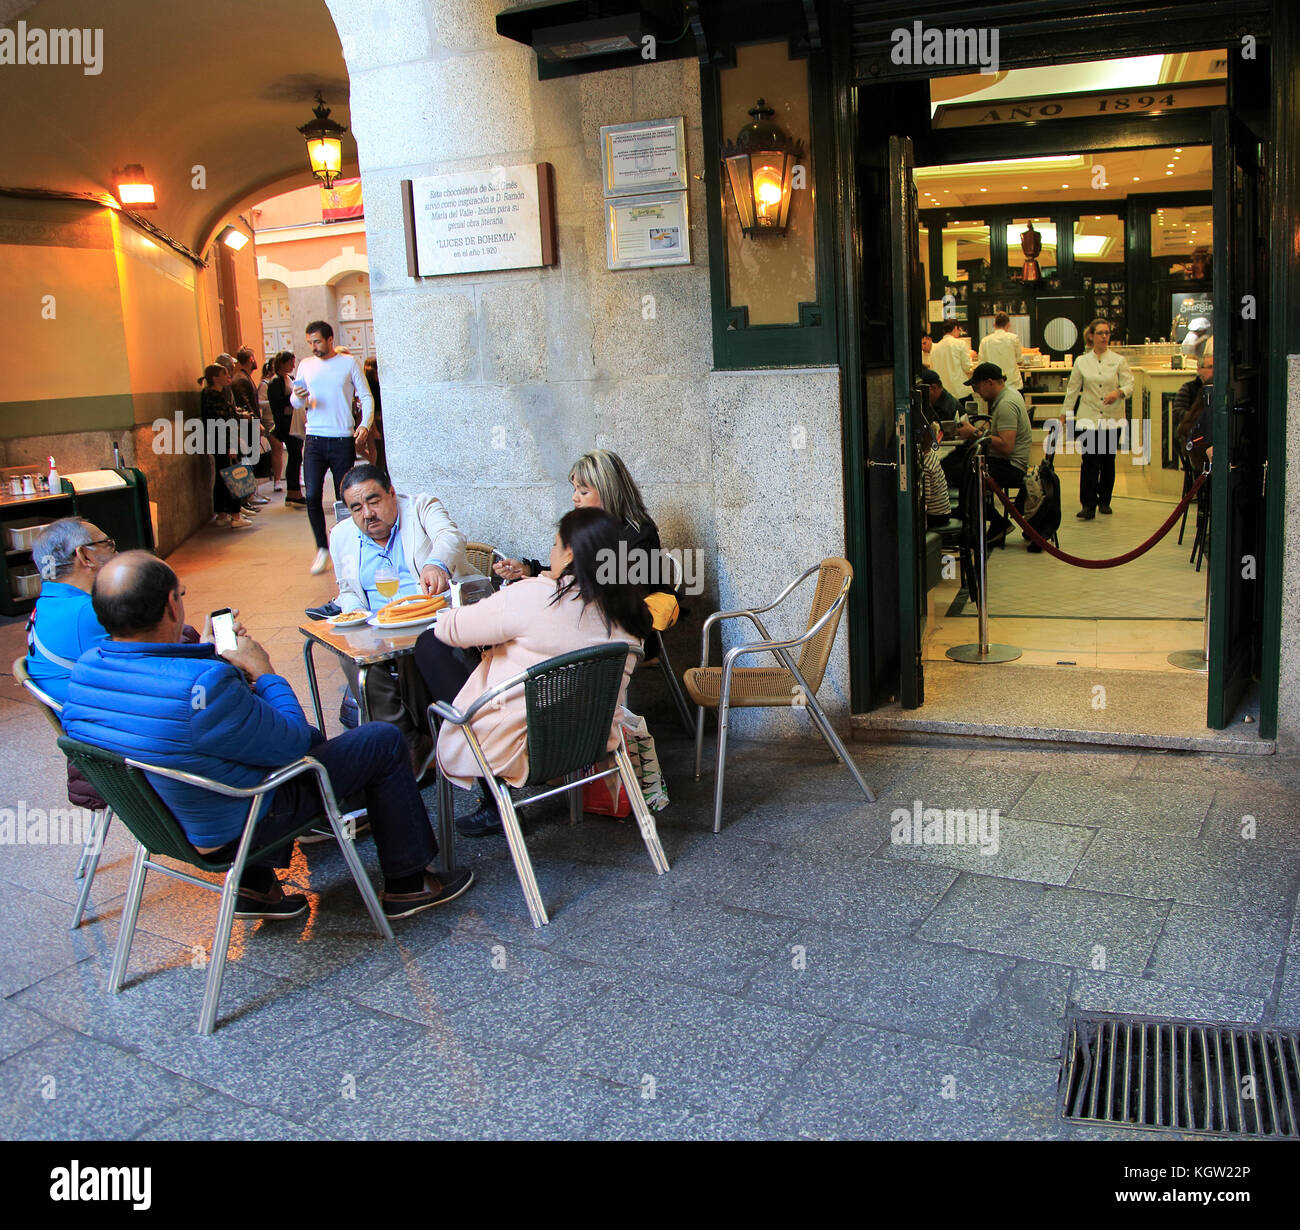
x=416, y=537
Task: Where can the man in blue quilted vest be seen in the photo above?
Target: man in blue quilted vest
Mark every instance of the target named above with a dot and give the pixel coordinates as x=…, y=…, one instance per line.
x=144, y=694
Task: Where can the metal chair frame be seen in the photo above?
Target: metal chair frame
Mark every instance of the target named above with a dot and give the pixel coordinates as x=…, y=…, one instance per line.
x=781, y=648
x=665, y=664
x=143, y=863
x=507, y=806
x=93, y=846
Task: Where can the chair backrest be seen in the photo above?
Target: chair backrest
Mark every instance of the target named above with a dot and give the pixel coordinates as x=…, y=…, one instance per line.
x=571, y=701
x=340, y=511
x=479, y=555
x=817, y=652
x=49, y=706
x=135, y=802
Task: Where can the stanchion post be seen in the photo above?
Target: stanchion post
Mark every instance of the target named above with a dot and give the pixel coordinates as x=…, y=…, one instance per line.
x=1196, y=659
x=983, y=652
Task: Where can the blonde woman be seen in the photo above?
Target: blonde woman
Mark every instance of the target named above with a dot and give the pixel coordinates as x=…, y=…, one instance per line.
x=601, y=480
x=1099, y=382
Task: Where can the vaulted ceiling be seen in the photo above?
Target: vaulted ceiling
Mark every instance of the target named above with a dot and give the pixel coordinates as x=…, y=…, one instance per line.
x=221, y=85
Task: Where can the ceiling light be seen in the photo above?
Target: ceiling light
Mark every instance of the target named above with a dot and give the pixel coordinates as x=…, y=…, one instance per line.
x=134, y=191
x=233, y=238
x=1024, y=187
x=1179, y=150
x=983, y=189
x=1168, y=172
x=1137, y=179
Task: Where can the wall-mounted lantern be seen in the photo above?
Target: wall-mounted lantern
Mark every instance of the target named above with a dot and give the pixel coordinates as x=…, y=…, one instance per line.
x=324, y=144
x=760, y=168
x=233, y=238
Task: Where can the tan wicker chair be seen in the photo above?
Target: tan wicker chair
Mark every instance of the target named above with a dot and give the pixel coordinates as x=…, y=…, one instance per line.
x=479, y=555
x=789, y=685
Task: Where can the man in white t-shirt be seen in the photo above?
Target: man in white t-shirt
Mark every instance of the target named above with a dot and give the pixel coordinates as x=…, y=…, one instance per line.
x=326, y=383
x=950, y=357
x=1002, y=349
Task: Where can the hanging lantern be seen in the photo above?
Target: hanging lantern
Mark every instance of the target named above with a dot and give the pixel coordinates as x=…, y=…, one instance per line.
x=134, y=189
x=760, y=167
x=324, y=146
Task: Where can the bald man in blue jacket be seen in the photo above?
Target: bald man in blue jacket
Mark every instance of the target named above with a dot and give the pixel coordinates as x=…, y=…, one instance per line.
x=230, y=717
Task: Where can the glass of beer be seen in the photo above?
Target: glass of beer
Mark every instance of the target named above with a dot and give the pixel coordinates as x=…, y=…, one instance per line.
x=387, y=581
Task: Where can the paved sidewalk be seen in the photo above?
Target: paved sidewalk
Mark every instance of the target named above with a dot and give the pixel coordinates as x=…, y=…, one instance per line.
x=799, y=975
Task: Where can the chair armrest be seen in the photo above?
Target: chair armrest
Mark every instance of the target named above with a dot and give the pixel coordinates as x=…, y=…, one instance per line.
x=769, y=645
x=752, y=613
x=272, y=780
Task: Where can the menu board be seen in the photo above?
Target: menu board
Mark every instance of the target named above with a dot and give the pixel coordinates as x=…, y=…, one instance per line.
x=475, y=221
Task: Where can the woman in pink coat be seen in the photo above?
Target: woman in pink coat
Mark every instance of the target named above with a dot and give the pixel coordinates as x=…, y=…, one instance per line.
x=575, y=605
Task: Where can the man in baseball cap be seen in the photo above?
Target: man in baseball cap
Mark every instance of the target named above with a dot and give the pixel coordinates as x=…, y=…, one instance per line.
x=1009, y=438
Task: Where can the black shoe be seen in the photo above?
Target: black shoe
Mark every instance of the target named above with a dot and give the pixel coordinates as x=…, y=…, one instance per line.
x=484, y=821
x=1035, y=549
x=1104, y=508
x=996, y=540
x=275, y=904
x=323, y=612
x=438, y=890
x=1086, y=514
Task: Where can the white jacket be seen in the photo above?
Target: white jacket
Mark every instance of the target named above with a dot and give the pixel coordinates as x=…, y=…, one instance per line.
x=428, y=534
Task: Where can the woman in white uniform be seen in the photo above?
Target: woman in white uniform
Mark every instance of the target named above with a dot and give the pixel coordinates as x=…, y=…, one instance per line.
x=1099, y=382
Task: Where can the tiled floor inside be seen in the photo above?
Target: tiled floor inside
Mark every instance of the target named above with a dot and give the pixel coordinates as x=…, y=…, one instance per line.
x=799, y=975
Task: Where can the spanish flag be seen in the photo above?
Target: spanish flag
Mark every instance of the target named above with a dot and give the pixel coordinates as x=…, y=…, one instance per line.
x=342, y=201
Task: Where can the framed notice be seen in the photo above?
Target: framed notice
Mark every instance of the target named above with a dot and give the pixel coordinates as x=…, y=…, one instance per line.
x=473, y=221
x=647, y=230
x=648, y=156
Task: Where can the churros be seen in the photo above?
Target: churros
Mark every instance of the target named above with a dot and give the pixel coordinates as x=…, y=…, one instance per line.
x=415, y=606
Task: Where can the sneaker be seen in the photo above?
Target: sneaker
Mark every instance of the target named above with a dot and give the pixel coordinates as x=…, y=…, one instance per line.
x=323, y=832
x=484, y=821
x=238, y=523
x=222, y=520
x=438, y=889
x=275, y=904
x=320, y=563
x=276, y=487
x=323, y=612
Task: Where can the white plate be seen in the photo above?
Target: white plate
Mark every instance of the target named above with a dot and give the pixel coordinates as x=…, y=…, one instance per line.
x=373, y=621
x=336, y=622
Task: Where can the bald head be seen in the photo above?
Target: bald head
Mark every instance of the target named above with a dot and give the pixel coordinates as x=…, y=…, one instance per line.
x=133, y=598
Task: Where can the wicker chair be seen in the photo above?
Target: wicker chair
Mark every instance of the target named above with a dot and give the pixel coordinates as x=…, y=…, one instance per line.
x=571, y=701
x=124, y=784
x=88, y=864
x=790, y=684
x=479, y=555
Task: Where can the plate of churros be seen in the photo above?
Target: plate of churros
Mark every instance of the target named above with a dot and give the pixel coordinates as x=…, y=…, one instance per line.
x=350, y=619
x=409, y=611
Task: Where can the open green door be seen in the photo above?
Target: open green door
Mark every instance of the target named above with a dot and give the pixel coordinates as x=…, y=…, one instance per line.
x=909, y=320
x=1239, y=465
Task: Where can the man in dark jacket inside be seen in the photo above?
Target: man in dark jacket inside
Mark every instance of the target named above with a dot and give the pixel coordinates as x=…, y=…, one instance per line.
x=144, y=694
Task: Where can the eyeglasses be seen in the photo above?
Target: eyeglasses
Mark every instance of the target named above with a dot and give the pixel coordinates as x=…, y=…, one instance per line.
x=102, y=542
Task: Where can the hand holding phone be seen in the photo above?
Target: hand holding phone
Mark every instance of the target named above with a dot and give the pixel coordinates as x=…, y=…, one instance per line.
x=223, y=630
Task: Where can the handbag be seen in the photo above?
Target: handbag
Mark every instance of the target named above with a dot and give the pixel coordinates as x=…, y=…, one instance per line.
x=239, y=481
x=298, y=422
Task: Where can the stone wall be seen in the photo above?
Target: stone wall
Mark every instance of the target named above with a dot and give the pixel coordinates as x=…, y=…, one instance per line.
x=494, y=383
x=1288, y=718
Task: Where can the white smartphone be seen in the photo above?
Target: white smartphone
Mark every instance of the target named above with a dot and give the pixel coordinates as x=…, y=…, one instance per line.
x=223, y=630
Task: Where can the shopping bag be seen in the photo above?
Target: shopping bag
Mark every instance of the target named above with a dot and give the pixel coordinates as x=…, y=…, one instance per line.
x=640, y=746
x=239, y=481
x=605, y=796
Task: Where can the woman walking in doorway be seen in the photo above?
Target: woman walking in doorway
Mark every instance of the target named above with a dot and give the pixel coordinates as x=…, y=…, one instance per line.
x=1099, y=383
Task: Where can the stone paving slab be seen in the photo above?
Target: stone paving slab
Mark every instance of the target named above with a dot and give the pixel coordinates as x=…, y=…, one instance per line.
x=1270, y=812
x=1013, y=850
x=1217, y=948
x=930, y=989
x=1026, y=1016
x=71, y=1087
x=1227, y=877
x=1060, y=925
x=217, y=1117
x=1151, y=807
x=1101, y=991
x=976, y=784
x=860, y=1078
x=47, y=945
x=698, y=1048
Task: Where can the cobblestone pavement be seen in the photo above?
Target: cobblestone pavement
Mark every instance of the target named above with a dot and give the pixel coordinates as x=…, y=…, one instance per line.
x=799, y=975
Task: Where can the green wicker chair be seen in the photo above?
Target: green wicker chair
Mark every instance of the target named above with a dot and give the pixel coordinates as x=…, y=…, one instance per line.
x=123, y=784
x=571, y=701
x=93, y=847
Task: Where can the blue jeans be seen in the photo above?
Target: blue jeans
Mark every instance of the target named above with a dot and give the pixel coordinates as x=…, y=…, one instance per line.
x=370, y=763
x=337, y=454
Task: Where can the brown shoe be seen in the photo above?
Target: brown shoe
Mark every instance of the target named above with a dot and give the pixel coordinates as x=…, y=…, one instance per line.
x=438, y=890
x=274, y=904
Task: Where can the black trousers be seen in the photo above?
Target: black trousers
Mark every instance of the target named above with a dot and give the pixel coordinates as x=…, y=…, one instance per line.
x=1097, y=447
x=1011, y=479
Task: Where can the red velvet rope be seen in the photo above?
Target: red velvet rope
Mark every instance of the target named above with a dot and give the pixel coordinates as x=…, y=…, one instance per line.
x=1079, y=561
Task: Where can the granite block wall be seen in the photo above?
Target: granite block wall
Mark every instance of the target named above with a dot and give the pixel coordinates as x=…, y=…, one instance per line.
x=495, y=382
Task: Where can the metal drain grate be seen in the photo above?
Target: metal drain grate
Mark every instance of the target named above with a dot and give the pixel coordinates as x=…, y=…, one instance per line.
x=1187, y=1076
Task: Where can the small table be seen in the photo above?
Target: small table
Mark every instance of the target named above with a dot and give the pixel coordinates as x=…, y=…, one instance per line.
x=366, y=646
